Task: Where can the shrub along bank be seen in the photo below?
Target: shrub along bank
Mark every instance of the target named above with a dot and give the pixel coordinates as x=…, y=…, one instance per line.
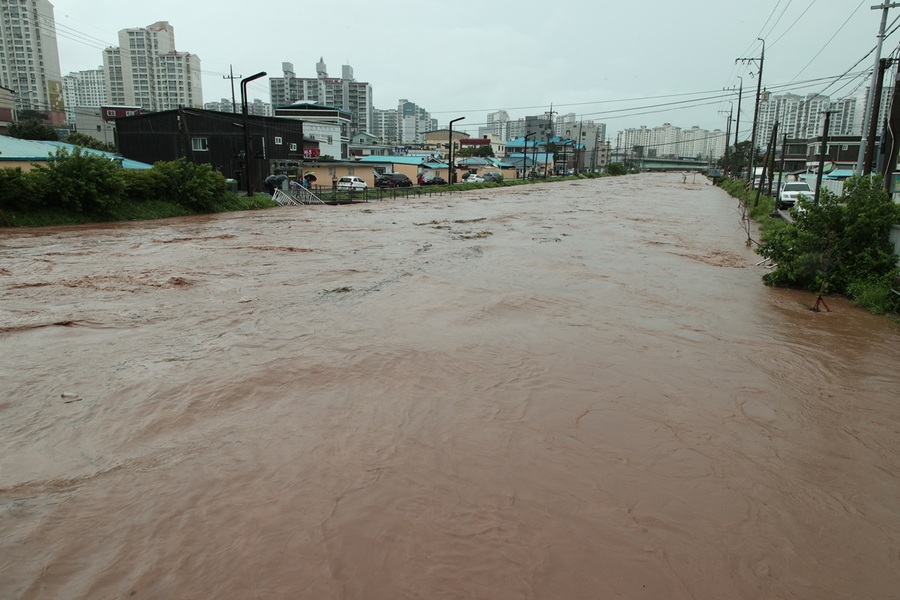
x=840, y=246
x=79, y=187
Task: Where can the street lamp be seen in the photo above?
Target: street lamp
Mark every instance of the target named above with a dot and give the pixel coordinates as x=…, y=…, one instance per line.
x=525, y=152
x=452, y=171
x=247, y=157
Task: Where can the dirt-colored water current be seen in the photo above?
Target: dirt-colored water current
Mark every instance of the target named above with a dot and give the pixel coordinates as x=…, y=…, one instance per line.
x=572, y=390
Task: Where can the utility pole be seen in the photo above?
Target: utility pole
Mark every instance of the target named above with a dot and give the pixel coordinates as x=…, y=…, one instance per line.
x=823, y=150
x=232, y=77
x=737, y=125
x=762, y=58
x=769, y=149
x=890, y=140
x=873, y=123
x=728, y=131
x=870, y=97
x=780, y=169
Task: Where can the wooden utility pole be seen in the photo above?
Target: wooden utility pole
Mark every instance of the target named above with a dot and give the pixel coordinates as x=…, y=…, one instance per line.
x=762, y=58
x=873, y=123
x=823, y=150
x=890, y=140
x=762, y=177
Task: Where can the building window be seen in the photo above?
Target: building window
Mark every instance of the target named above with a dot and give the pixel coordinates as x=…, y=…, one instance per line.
x=293, y=147
x=277, y=140
x=110, y=113
x=199, y=144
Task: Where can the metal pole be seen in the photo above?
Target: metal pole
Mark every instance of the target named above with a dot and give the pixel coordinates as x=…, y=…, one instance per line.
x=248, y=160
x=452, y=170
x=870, y=97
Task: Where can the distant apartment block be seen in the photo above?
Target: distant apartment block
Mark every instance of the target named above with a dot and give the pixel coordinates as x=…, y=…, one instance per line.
x=803, y=117
x=29, y=57
x=83, y=88
x=405, y=126
x=669, y=141
x=344, y=93
x=146, y=70
x=257, y=107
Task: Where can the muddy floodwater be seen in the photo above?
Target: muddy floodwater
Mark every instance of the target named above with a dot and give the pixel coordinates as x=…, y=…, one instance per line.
x=571, y=390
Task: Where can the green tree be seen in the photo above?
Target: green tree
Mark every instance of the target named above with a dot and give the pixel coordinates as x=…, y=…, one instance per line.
x=32, y=130
x=83, y=182
x=841, y=244
x=86, y=141
x=483, y=151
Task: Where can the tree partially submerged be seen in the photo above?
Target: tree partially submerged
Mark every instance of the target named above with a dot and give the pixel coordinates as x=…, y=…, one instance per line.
x=840, y=246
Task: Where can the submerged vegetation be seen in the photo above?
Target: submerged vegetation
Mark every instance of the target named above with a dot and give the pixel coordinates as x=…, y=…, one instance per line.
x=839, y=246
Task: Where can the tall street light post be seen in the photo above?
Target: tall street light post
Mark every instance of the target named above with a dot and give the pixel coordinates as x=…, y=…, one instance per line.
x=452, y=172
x=248, y=159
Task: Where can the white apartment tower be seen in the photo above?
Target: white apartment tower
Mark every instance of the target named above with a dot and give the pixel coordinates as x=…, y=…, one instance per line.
x=146, y=70
x=83, y=88
x=29, y=57
x=803, y=117
x=345, y=92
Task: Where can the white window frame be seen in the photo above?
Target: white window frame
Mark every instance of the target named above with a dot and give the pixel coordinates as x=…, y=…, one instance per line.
x=200, y=144
x=278, y=140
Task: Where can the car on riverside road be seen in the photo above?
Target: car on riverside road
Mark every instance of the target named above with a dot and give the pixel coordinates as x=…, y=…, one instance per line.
x=392, y=180
x=787, y=197
x=352, y=184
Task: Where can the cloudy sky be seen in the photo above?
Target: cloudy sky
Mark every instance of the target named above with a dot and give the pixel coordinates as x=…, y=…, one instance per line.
x=625, y=63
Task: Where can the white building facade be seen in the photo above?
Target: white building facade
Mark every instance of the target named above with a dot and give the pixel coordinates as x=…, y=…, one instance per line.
x=29, y=57
x=146, y=70
x=345, y=93
x=83, y=88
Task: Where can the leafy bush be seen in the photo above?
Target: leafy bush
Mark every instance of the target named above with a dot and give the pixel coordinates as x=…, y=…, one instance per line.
x=842, y=243
x=616, y=169
x=20, y=190
x=195, y=187
x=141, y=185
x=83, y=182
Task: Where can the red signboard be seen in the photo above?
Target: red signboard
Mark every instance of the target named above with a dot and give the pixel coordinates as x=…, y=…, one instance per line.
x=310, y=153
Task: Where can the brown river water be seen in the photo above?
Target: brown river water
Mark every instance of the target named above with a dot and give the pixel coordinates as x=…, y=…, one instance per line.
x=571, y=390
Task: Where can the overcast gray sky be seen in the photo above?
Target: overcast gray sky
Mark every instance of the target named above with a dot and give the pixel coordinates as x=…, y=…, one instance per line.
x=614, y=62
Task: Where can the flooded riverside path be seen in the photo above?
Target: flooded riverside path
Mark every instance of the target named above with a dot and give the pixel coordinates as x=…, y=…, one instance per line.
x=571, y=390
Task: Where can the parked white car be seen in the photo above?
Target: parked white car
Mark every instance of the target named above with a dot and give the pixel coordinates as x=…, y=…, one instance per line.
x=352, y=184
x=790, y=191
x=473, y=178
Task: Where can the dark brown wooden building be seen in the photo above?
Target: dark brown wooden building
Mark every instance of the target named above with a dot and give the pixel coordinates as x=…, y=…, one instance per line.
x=215, y=138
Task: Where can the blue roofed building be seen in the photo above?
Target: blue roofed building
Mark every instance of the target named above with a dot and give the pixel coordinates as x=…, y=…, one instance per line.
x=25, y=154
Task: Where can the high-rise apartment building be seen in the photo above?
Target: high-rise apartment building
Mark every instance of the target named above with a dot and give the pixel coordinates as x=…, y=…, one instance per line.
x=257, y=107
x=345, y=92
x=146, y=70
x=29, y=57
x=669, y=141
x=83, y=88
x=803, y=117
x=385, y=125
